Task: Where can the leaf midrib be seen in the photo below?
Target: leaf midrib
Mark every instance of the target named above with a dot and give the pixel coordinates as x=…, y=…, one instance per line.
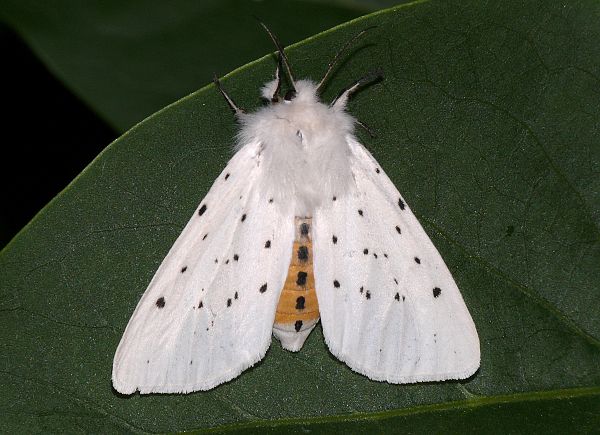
x=478, y=402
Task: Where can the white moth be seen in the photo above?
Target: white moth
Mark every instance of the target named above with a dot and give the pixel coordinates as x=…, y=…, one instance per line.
x=302, y=222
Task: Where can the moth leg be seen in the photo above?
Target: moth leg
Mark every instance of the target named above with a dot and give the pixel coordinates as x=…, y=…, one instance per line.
x=276, y=94
x=236, y=110
x=341, y=100
x=366, y=128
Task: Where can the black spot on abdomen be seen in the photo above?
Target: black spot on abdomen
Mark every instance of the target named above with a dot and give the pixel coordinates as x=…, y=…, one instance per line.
x=304, y=228
x=302, y=253
x=301, y=278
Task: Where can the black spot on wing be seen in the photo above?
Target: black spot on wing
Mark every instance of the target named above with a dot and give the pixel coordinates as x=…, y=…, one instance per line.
x=243, y=217
x=360, y=212
x=160, y=302
x=205, y=236
x=436, y=292
x=377, y=170
x=368, y=294
x=365, y=251
x=270, y=200
x=334, y=198
x=398, y=230
x=202, y=210
x=263, y=288
x=417, y=260
x=268, y=244
x=200, y=305
x=235, y=296
x=401, y=204
x=334, y=239
x=397, y=297
x=375, y=255
x=227, y=176
x=336, y=283
x=228, y=302
x=236, y=257
x=183, y=269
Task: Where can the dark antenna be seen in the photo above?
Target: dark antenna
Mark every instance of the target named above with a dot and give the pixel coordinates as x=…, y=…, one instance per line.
x=281, y=53
x=336, y=58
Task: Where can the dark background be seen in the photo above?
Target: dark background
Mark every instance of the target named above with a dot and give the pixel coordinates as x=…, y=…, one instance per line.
x=49, y=136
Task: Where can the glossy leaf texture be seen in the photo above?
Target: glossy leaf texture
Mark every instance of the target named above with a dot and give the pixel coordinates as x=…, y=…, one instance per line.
x=487, y=122
x=127, y=60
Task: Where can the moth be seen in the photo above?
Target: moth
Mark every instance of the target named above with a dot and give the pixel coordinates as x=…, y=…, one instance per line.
x=302, y=224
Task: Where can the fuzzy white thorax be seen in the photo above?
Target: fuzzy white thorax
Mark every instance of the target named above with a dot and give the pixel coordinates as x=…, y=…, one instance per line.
x=304, y=145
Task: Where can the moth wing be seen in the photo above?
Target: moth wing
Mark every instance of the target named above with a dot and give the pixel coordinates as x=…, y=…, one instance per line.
x=390, y=308
x=208, y=313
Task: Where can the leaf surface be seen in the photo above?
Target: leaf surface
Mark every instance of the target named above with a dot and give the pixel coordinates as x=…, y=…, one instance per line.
x=487, y=122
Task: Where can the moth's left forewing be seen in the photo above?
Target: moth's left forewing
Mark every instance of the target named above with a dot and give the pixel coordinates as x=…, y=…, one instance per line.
x=389, y=306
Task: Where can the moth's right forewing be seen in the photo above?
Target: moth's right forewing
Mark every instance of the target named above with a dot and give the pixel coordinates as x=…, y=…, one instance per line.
x=208, y=313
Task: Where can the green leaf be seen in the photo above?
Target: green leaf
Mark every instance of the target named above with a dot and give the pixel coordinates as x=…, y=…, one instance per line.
x=487, y=122
x=126, y=60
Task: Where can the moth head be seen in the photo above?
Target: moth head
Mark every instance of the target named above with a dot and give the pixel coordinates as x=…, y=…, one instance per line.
x=272, y=91
x=304, y=91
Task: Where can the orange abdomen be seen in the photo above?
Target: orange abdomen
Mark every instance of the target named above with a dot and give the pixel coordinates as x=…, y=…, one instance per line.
x=298, y=310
